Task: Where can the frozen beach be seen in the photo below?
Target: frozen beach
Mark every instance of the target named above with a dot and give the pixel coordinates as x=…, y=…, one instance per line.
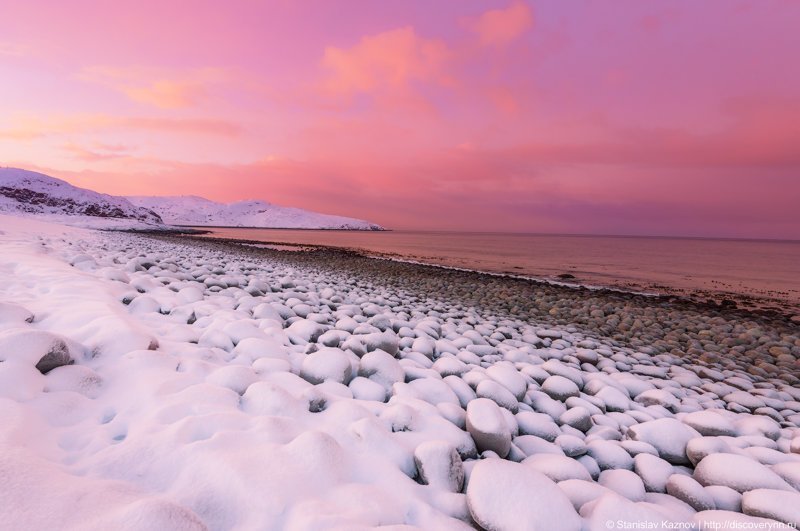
x=763, y=274
x=165, y=382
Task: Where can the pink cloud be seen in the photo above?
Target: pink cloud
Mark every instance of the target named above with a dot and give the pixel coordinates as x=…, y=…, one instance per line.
x=98, y=152
x=595, y=120
x=499, y=27
x=389, y=61
x=32, y=127
x=532, y=188
x=158, y=87
x=13, y=49
x=504, y=99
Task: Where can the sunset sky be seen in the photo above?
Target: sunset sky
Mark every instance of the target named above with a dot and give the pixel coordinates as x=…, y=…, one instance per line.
x=623, y=117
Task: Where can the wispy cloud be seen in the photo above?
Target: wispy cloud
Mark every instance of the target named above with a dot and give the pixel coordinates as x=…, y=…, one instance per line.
x=499, y=27
x=97, y=152
x=30, y=127
x=13, y=49
x=162, y=88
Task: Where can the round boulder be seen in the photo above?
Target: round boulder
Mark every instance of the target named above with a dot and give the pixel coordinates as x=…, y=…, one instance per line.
x=514, y=497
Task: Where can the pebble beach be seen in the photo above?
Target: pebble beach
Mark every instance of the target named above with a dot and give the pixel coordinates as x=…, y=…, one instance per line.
x=167, y=381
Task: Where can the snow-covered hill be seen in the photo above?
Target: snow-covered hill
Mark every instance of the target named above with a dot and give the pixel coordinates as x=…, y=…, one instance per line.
x=197, y=211
x=24, y=192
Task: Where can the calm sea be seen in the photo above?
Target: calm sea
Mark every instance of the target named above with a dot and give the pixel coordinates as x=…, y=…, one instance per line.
x=767, y=270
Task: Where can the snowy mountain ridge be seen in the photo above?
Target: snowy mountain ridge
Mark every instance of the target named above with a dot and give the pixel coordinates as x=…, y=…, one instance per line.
x=25, y=192
x=198, y=211
x=30, y=193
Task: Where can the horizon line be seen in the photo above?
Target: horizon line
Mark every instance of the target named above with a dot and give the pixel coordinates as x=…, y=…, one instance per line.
x=522, y=233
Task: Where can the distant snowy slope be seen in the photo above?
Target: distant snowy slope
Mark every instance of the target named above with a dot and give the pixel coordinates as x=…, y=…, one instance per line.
x=182, y=210
x=24, y=192
x=192, y=210
x=28, y=192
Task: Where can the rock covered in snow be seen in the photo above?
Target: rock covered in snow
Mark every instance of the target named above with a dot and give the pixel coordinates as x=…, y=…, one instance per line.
x=654, y=471
x=498, y=394
x=613, y=508
x=609, y=455
x=779, y=505
x=327, y=364
x=43, y=350
x=14, y=313
x=738, y=472
x=304, y=331
x=557, y=467
x=624, y=483
x=488, y=427
x=560, y=388
x=669, y=436
x=581, y=492
x=790, y=472
x=511, y=496
x=382, y=368
x=439, y=465
x=690, y=491
x=725, y=498
x=709, y=423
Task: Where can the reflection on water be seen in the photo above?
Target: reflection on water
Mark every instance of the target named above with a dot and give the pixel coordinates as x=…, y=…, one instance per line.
x=764, y=269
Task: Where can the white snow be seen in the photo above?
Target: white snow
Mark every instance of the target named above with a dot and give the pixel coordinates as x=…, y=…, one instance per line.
x=557, y=467
x=611, y=511
x=654, y=471
x=327, y=365
x=669, y=436
x=775, y=504
x=28, y=193
x=737, y=472
x=510, y=496
x=198, y=211
x=690, y=491
x=486, y=424
x=439, y=465
x=560, y=388
x=153, y=385
x=623, y=482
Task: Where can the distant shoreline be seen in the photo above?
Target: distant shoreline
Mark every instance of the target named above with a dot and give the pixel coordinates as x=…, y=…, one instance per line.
x=564, y=278
x=512, y=233
x=465, y=286
x=202, y=227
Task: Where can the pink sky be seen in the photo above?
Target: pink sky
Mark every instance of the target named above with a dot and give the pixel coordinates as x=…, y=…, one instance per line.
x=624, y=117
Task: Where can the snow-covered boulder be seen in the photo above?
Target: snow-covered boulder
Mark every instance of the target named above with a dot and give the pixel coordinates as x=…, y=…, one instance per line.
x=43, y=350
x=668, y=435
x=327, y=364
x=439, y=465
x=488, y=427
x=738, y=472
x=778, y=505
x=510, y=496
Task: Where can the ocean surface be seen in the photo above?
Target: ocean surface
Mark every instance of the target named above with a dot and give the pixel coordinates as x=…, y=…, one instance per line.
x=751, y=272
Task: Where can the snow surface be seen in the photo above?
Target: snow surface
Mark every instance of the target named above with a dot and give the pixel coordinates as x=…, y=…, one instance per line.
x=24, y=192
x=151, y=385
x=198, y=211
x=29, y=193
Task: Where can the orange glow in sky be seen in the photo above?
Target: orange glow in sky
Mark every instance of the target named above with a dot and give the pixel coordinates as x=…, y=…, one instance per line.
x=624, y=117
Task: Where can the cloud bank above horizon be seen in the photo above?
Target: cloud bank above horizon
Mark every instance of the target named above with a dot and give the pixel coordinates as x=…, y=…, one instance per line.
x=633, y=118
